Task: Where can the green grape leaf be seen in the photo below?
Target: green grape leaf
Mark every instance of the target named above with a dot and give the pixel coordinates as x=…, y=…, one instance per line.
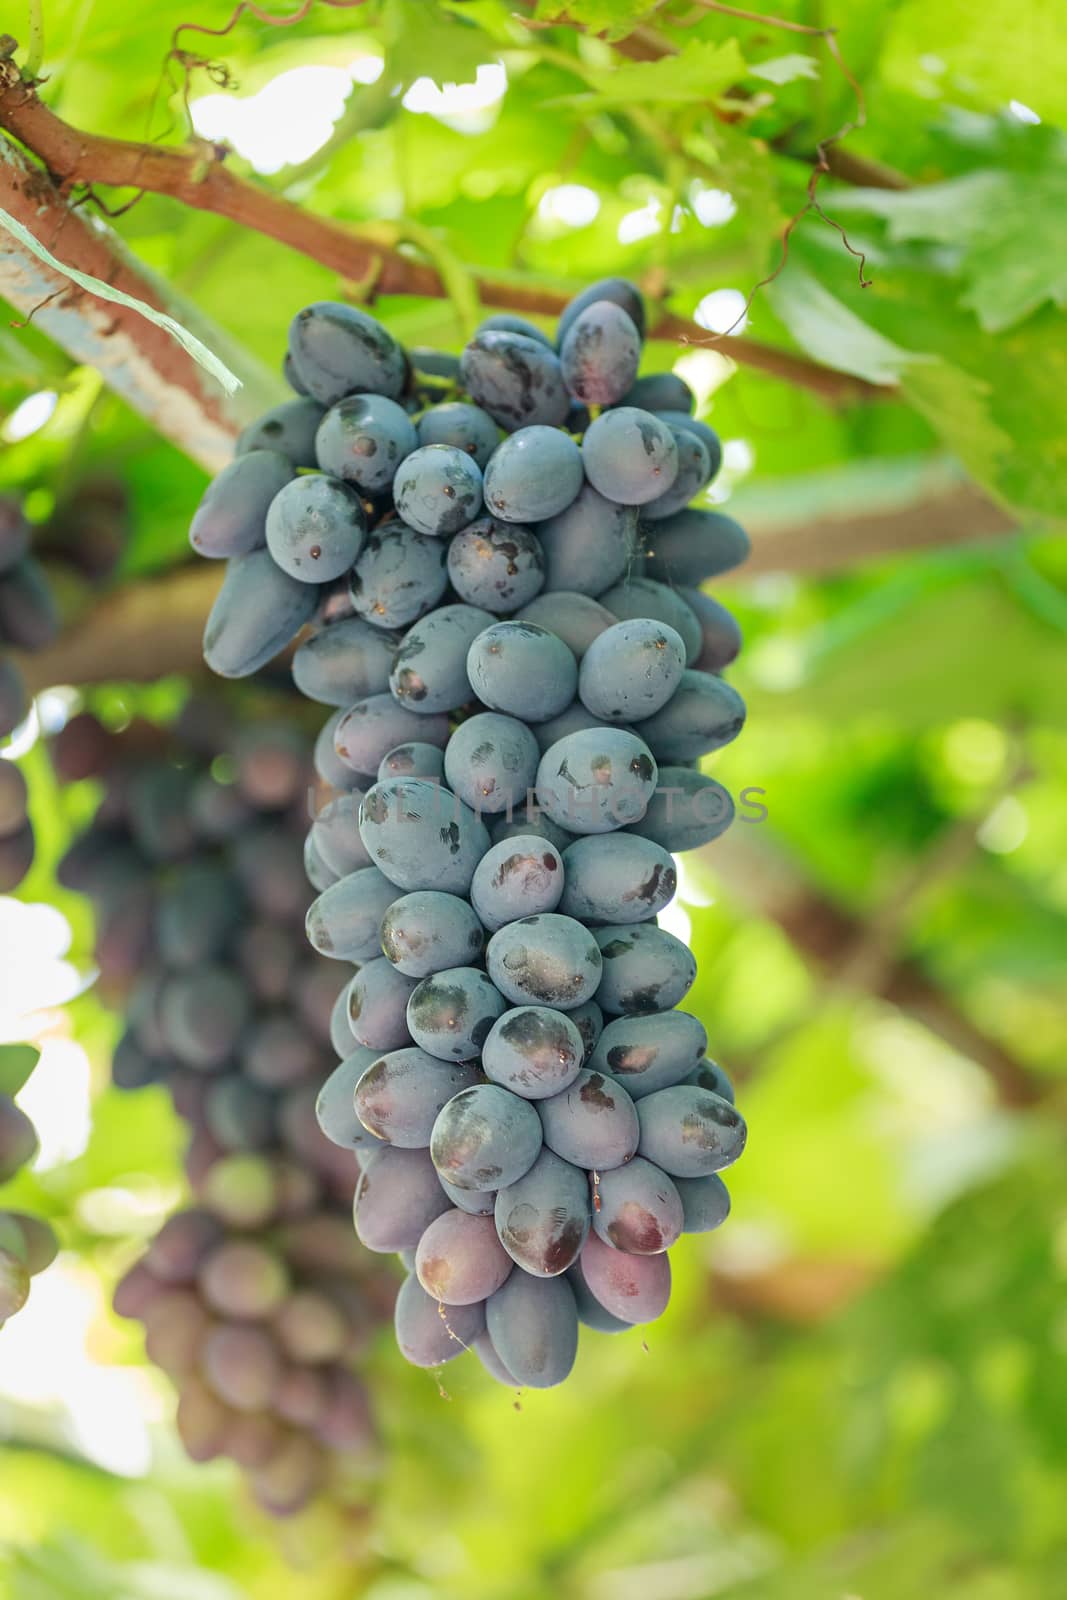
x=700, y=71
x=613, y=18
x=17, y=1061
x=422, y=42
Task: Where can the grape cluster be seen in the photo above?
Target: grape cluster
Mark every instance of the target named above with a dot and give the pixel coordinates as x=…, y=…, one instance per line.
x=256, y=1299
x=501, y=564
x=27, y=1245
x=29, y=620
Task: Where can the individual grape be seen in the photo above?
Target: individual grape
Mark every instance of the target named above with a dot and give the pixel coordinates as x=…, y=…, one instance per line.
x=530, y=822
x=400, y=575
x=16, y=857
x=519, y=876
x=508, y=322
x=32, y=1240
x=600, y=353
x=543, y=1218
x=705, y=1203
x=412, y=760
x=372, y=727
x=13, y=701
x=497, y=565
x=242, y=1365
x=421, y=835
x=430, y=1334
x=203, y=1013
x=14, y=1284
x=158, y=813
x=533, y=1326
x=693, y=545
x=491, y=762
x=341, y=1039
x=377, y=1005
x=429, y=672
x=485, y=1138
x=597, y=780
x=398, y=1097
x=310, y=1328
x=640, y=1209
x=29, y=616
x=618, y=290
x=344, y=662
x=254, y=1440
x=589, y=545
x=533, y=475
x=134, y=1068
x=18, y=1141
x=338, y=349
x=591, y=1314
x=630, y=456
x=681, y=418
x=328, y=764
x=592, y=1123
x=638, y=597
x=315, y=528
x=462, y=426
x=428, y=931
x=336, y=834
x=589, y=1020
x=344, y=922
x=218, y=811
x=575, y=719
x=688, y=809
x=397, y=1198
x=661, y=391
x=438, y=490
x=291, y=1479
x=335, y=1108
x=545, y=960
x=631, y=671
x=14, y=532
x=646, y=969
x=690, y=1132
x=575, y=618
x=634, y=1288
x=176, y=1327
x=460, y=1260
x=616, y=878
x=363, y=439
x=476, y=1202
x=196, y=916
x=516, y=379
x=231, y=518
x=435, y=363
x=533, y=1051
x=202, y=1421
x=483, y=1349
x=302, y=1397
x=720, y=635
x=694, y=473
x=237, y=1114
x=650, y=1052
x=288, y=430
x=707, y=1074
x=703, y=714
x=271, y=873
x=240, y=1189
x=256, y=612
x=240, y=1278
x=451, y=1012
x=522, y=670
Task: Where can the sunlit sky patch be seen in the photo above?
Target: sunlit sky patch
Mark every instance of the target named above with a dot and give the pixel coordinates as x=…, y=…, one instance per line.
x=31, y=414
x=722, y=311
x=570, y=205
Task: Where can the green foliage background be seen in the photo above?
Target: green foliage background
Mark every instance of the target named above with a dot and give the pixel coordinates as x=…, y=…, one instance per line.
x=859, y=1388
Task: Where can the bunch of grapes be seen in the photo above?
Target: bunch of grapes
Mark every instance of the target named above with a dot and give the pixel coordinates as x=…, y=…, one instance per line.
x=257, y=1299
x=27, y=1245
x=523, y=679
x=28, y=621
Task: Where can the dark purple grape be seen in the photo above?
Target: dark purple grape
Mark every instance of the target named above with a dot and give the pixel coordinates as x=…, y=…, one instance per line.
x=476, y=1202
x=589, y=545
x=397, y=1198
x=377, y=1005
x=661, y=391
x=203, y=1013
x=651, y=1052
x=400, y=1095
x=344, y=662
x=345, y=921
x=645, y=969
x=631, y=671
x=533, y=1051
x=545, y=960
x=632, y=1288
x=720, y=634
x=630, y=456
x=533, y=1325
x=256, y=612
x=688, y=809
x=516, y=379
x=704, y=714
x=600, y=353
x=238, y=1115
x=412, y=760
x=543, y=1218
x=591, y=1314
x=491, y=762
x=485, y=1138
x=428, y=931
x=707, y=1074
x=438, y=490
x=508, y=322
x=242, y=1365
x=639, y=597
x=597, y=780
x=484, y=1350
x=460, y=1260
x=592, y=1123
x=574, y=618
x=705, y=1203
x=497, y=565
x=231, y=518
x=337, y=349
x=695, y=472
x=368, y=730
x=461, y=425
x=451, y=1012
x=288, y=429
x=429, y=1333
x=400, y=575
x=335, y=1108
x=616, y=878
x=421, y=835
x=429, y=672
x=335, y=831
x=620, y=291
x=640, y=1209
x=533, y=475
x=523, y=670
x=363, y=439
x=692, y=546
x=690, y=1132
x=518, y=877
